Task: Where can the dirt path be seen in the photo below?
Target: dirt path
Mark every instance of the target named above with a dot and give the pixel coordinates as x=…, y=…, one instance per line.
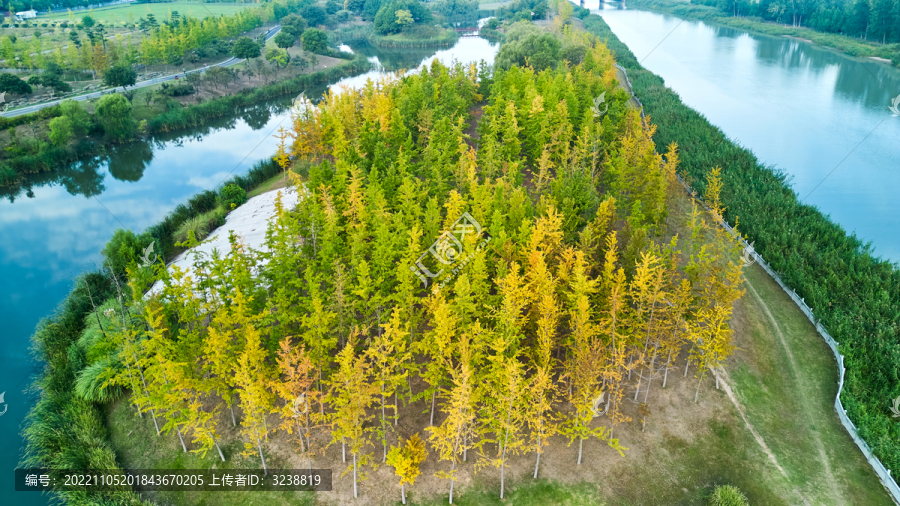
x=724, y=380
x=807, y=410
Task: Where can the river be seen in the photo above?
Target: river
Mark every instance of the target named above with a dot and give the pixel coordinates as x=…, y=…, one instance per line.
x=817, y=114
x=54, y=228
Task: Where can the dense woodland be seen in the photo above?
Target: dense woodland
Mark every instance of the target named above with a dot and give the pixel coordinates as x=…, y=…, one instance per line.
x=582, y=300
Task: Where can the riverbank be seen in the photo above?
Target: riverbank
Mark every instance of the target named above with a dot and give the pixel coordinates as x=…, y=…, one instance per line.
x=849, y=45
x=64, y=430
x=39, y=156
x=852, y=291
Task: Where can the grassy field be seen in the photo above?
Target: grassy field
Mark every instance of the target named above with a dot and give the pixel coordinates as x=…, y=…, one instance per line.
x=119, y=14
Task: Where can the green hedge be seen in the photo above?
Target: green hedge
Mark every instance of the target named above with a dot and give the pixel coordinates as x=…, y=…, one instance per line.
x=856, y=295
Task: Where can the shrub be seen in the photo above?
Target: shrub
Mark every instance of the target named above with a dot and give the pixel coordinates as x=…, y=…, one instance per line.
x=176, y=90
x=125, y=247
x=201, y=225
x=232, y=196
x=342, y=16
x=60, y=130
x=728, y=495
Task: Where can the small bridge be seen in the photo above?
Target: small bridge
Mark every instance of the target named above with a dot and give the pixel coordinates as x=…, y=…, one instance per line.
x=468, y=29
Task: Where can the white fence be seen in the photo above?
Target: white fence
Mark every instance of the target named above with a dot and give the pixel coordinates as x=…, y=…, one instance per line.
x=883, y=473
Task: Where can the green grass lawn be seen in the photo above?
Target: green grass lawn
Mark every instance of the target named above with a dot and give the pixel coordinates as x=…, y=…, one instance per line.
x=119, y=14
x=786, y=377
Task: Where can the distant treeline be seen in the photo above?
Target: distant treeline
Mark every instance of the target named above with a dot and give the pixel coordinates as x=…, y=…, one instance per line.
x=850, y=44
x=856, y=295
x=876, y=20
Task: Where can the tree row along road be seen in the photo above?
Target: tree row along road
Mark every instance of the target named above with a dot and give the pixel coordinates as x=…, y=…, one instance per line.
x=149, y=82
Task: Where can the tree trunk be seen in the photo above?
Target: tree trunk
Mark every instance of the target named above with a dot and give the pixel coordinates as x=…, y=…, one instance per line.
x=453, y=465
x=300, y=433
x=697, y=393
x=233, y=419
x=403, y=493
x=465, y=447
x=384, y=433
x=432, y=408
x=666, y=375
x=580, y=445
x=343, y=451
x=217, y=447
x=263, y=459
x=538, y=447
x=355, y=494
x=652, y=363
x=180, y=438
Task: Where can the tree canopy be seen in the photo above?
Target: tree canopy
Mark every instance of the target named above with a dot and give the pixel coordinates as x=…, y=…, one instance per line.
x=120, y=75
x=284, y=40
x=315, y=41
x=115, y=115
x=245, y=48
x=396, y=15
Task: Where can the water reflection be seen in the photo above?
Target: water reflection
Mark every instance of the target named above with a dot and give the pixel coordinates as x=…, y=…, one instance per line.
x=127, y=163
x=801, y=107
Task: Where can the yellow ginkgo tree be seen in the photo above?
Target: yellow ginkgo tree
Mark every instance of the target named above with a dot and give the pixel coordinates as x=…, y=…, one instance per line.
x=406, y=461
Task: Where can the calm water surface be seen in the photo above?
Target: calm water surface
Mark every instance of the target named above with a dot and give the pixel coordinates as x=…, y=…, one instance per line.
x=53, y=229
x=799, y=107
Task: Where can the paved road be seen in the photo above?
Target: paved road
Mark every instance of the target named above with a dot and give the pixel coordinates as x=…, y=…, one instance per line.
x=150, y=82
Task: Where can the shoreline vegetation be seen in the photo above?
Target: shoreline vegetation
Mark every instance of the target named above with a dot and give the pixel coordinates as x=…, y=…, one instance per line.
x=856, y=294
x=852, y=46
x=438, y=37
x=64, y=430
x=12, y=171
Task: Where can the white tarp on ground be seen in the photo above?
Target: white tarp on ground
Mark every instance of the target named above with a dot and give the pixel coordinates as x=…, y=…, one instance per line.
x=248, y=221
